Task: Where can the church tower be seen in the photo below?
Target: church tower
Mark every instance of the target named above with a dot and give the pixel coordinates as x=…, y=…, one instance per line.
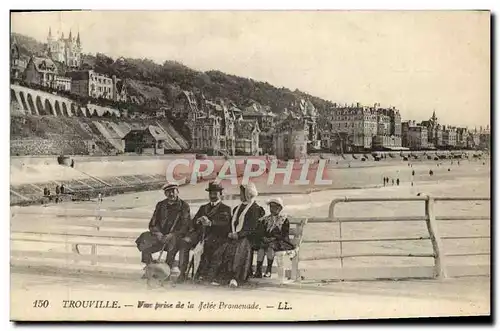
x=65, y=50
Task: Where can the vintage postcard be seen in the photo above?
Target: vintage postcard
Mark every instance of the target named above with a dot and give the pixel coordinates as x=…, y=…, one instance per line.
x=249, y=165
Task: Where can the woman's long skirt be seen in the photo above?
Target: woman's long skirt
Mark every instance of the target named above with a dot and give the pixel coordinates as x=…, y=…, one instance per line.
x=232, y=260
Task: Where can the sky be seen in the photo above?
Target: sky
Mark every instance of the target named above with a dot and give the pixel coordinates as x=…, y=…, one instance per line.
x=419, y=62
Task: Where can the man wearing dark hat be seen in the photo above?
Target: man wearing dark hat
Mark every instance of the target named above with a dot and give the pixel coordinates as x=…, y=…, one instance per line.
x=169, y=224
x=211, y=225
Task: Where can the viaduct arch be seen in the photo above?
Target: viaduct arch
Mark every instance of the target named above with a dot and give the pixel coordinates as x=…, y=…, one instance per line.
x=42, y=103
x=36, y=102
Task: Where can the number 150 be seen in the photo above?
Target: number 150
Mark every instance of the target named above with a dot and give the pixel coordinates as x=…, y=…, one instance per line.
x=40, y=303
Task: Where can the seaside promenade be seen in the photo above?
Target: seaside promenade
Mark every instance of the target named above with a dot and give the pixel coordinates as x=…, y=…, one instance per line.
x=316, y=299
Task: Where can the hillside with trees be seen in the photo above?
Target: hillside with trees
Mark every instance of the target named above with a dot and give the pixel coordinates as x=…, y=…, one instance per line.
x=161, y=83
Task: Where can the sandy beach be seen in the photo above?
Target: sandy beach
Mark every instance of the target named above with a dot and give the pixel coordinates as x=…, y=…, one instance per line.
x=468, y=179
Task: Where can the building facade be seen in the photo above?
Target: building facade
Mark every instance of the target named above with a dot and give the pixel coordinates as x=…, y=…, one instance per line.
x=473, y=139
x=206, y=135
x=485, y=138
x=290, y=144
x=88, y=83
x=65, y=50
x=309, y=115
x=414, y=135
x=43, y=72
x=292, y=137
x=216, y=116
x=357, y=124
x=246, y=137
x=449, y=137
x=381, y=142
x=149, y=140
x=17, y=64
x=62, y=83
x=185, y=107
x=462, y=137
x=263, y=115
x=119, y=90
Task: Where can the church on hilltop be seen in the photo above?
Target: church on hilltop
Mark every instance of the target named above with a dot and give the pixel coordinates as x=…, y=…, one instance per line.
x=65, y=50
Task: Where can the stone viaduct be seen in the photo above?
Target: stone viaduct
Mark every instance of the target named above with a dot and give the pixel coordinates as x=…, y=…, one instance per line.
x=35, y=102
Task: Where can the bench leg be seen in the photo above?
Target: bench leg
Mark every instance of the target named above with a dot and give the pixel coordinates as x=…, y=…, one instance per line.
x=75, y=248
x=295, y=267
x=94, y=254
x=281, y=267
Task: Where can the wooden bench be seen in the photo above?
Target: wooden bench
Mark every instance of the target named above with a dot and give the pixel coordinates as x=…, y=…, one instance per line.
x=84, y=229
x=296, y=234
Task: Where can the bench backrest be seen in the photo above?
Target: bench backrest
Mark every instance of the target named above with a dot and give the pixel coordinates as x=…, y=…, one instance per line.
x=296, y=232
x=82, y=227
x=86, y=226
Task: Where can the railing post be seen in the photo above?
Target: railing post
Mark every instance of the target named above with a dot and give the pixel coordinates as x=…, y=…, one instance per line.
x=437, y=245
x=294, y=272
x=340, y=237
x=331, y=216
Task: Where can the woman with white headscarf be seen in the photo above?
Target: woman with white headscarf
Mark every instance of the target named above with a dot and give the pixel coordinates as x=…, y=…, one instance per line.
x=233, y=260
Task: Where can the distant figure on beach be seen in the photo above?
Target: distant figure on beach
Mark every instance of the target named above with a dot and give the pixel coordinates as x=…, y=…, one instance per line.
x=58, y=190
x=72, y=163
x=45, y=191
x=393, y=182
x=449, y=169
x=397, y=181
x=99, y=197
x=431, y=172
x=413, y=173
x=62, y=189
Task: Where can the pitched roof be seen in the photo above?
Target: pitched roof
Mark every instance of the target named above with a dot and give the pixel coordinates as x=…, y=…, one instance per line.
x=307, y=107
x=214, y=105
x=255, y=109
x=120, y=86
x=244, y=128
x=44, y=64
x=191, y=100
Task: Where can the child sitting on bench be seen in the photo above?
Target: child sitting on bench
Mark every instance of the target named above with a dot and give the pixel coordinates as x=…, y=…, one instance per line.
x=272, y=236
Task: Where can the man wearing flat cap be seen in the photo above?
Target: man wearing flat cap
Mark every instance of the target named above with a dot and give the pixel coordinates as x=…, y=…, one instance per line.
x=169, y=224
x=211, y=226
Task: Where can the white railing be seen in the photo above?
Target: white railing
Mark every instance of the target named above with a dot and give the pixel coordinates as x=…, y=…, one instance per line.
x=106, y=225
x=429, y=218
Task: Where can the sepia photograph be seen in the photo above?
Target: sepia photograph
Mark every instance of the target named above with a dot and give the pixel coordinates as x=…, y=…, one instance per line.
x=250, y=165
